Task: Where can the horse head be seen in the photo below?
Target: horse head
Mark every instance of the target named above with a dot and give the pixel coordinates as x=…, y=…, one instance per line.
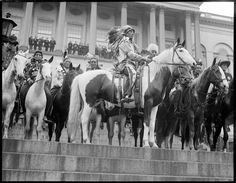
x=183, y=74
x=45, y=69
x=217, y=77
x=181, y=55
x=19, y=61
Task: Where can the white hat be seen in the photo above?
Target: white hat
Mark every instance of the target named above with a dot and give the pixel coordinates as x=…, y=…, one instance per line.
x=153, y=47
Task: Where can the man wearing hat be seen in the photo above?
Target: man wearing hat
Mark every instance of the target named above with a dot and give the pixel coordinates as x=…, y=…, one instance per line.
x=93, y=63
x=225, y=65
x=126, y=52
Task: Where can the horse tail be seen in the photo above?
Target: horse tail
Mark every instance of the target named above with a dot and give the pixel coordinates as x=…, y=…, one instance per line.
x=74, y=109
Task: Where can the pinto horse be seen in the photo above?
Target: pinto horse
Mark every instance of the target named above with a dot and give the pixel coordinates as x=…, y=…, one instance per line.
x=35, y=101
x=219, y=106
x=15, y=68
x=61, y=102
x=88, y=87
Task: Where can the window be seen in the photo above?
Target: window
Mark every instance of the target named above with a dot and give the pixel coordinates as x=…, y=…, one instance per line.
x=74, y=33
x=45, y=28
x=16, y=30
x=102, y=37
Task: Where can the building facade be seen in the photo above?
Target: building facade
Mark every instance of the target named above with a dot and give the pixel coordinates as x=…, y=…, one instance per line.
x=87, y=23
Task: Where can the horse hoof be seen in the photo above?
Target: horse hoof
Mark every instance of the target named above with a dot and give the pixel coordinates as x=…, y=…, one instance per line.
x=153, y=144
x=145, y=144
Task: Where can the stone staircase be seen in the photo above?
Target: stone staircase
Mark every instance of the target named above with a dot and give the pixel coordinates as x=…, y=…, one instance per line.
x=32, y=160
x=25, y=160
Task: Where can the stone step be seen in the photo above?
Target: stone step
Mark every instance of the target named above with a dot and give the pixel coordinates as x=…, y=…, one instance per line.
x=45, y=147
x=66, y=163
x=36, y=175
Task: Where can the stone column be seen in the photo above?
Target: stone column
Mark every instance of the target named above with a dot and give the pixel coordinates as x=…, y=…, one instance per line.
x=26, y=26
x=60, y=28
x=161, y=30
x=153, y=25
x=124, y=14
x=188, y=30
x=197, y=37
x=93, y=28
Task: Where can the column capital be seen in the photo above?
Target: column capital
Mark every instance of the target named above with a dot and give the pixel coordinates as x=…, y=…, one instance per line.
x=152, y=7
x=124, y=5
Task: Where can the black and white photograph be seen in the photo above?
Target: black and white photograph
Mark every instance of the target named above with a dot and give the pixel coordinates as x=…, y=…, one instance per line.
x=117, y=91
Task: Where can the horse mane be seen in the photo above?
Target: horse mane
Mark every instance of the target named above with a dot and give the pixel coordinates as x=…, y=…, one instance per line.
x=197, y=81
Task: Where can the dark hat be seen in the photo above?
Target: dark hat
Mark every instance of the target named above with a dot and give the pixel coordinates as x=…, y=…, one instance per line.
x=227, y=62
x=67, y=62
x=13, y=39
x=38, y=52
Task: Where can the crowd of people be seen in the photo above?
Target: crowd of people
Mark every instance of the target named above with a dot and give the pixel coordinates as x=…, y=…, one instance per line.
x=41, y=44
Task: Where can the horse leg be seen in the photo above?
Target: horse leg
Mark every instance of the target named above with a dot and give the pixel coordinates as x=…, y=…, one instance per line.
x=141, y=136
x=110, y=128
x=191, y=130
x=7, y=119
x=171, y=141
x=183, y=133
x=215, y=137
x=40, y=125
x=50, y=131
x=208, y=131
x=152, y=127
x=135, y=131
x=27, y=123
x=84, y=121
x=122, y=129
x=93, y=123
x=59, y=128
x=225, y=137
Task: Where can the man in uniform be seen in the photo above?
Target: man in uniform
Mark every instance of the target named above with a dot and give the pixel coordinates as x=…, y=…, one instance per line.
x=127, y=55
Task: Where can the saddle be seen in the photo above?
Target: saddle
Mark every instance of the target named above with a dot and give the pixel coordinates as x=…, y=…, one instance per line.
x=135, y=88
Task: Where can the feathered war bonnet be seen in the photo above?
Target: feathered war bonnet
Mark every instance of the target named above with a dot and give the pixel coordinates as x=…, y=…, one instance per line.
x=115, y=35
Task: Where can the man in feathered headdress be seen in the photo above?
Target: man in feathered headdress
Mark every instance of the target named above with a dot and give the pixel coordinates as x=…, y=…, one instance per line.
x=126, y=53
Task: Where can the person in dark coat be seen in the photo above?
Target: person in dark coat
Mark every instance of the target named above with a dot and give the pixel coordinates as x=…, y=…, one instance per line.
x=31, y=42
x=52, y=44
x=40, y=43
x=46, y=44
x=224, y=64
x=35, y=42
x=70, y=47
x=75, y=47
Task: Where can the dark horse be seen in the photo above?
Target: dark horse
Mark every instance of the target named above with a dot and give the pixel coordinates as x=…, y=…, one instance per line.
x=61, y=103
x=219, y=108
x=191, y=105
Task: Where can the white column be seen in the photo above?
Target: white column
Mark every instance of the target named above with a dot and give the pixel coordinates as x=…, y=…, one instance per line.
x=188, y=30
x=25, y=33
x=93, y=28
x=60, y=27
x=197, y=37
x=124, y=14
x=153, y=25
x=161, y=30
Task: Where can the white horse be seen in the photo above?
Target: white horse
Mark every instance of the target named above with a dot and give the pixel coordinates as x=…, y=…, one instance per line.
x=91, y=86
x=35, y=101
x=15, y=68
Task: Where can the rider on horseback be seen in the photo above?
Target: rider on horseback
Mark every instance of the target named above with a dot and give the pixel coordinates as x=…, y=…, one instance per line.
x=126, y=53
x=62, y=69
x=31, y=71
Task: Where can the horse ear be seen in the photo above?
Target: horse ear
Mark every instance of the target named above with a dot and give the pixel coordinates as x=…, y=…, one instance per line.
x=214, y=61
x=50, y=60
x=78, y=67
x=71, y=66
x=177, y=43
x=183, y=43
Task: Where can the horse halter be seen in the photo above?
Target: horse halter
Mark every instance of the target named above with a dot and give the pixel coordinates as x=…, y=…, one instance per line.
x=174, y=51
x=218, y=80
